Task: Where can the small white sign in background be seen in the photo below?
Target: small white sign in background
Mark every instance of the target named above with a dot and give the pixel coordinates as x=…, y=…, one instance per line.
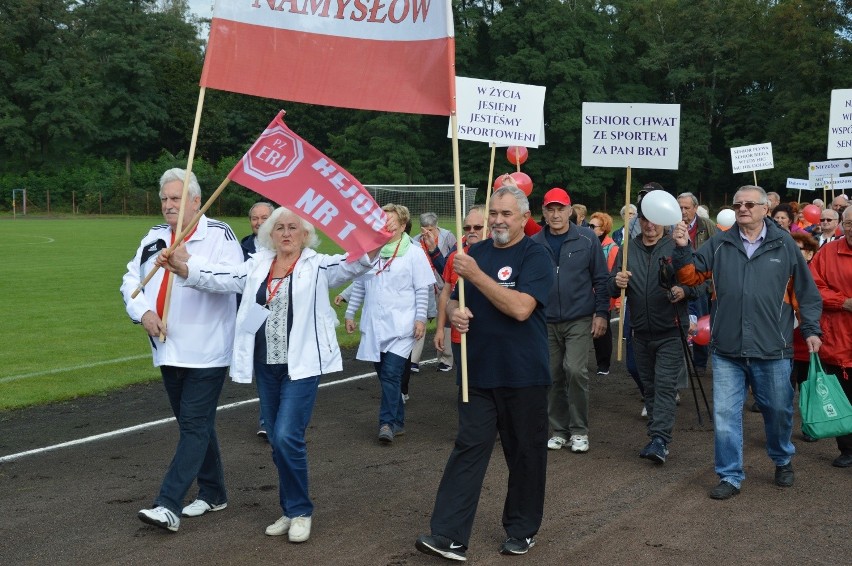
x=752, y=158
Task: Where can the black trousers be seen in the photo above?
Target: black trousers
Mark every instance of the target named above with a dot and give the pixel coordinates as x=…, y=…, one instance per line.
x=603, y=348
x=844, y=443
x=520, y=417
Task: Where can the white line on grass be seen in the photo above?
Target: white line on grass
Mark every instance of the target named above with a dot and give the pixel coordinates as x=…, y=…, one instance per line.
x=144, y=426
x=72, y=368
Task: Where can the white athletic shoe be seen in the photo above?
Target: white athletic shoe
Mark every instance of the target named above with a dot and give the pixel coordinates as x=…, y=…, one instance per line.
x=279, y=527
x=644, y=411
x=160, y=517
x=300, y=529
x=199, y=507
x=579, y=443
x=556, y=443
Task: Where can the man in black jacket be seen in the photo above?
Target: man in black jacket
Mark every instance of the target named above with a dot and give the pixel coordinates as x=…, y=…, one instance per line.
x=577, y=311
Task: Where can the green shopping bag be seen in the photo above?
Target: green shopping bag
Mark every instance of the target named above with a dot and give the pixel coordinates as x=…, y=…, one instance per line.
x=825, y=410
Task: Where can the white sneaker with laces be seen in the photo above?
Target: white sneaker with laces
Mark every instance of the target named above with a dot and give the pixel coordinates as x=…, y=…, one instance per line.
x=556, y=443
x=300, y=529
x=199, y=507
x=160, y=517
x=279, y=527
x=579, y=443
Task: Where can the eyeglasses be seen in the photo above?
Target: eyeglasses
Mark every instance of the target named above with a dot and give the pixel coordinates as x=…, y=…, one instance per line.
x=748, y=204
x=826, y=219
x=594, y=226
x=847, y=225
x=475, y=227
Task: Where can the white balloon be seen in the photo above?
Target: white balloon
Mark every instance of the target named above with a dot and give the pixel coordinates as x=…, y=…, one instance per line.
x=726, y=218
x=661, y=208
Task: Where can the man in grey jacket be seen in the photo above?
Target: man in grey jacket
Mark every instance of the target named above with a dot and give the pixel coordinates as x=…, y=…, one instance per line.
x=760, y=279
x=577, y=311
x=657, y=305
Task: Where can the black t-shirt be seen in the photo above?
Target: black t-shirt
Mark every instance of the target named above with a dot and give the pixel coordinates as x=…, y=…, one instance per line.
x=504, y=352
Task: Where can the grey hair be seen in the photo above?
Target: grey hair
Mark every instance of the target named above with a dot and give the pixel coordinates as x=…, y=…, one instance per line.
x=518, y=194
x=833, y=212
x=428, y=219
x=477, y=207
x=689, y=196
x=264, y=233
x=261, y=203
x=178, y=174
x=632, y=209
x=754, y=188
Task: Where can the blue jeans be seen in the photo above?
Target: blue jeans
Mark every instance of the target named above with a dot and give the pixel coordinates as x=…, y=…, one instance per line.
x=193, y=394
x=287, y=405
x=770, y=384
x=392, y=409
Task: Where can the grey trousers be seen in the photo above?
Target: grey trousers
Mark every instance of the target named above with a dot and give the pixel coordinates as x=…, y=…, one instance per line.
x=568, y=398
x=661, y=366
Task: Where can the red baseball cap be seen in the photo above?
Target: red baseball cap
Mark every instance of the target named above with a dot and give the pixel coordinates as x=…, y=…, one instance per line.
x=556, y=196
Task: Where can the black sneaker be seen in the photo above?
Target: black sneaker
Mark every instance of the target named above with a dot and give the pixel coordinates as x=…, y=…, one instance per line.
x=656, y=451
x=517, y=545
x=444, y=367
x=603, y=371
x=436, y=545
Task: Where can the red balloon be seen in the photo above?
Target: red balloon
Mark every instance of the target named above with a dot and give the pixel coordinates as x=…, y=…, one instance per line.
x=501, y=180
x=517, y=154
x=812, y=213
x=523, y=181
x=702, y=336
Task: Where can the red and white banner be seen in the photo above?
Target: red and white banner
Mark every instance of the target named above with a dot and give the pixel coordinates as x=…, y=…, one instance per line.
x=390, y=55
x=291, y=172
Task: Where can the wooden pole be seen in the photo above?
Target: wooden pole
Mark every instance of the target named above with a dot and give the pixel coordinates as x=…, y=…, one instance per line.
x=183, y=199
x=800, y=196
x=488, y=190
x=624, y=243
x=755, y=178
x=518, y=158
x=184, y=233
x=454, y=120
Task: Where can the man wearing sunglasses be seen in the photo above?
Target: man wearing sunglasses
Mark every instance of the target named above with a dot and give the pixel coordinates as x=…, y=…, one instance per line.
x=760, y=277
x=828, y=227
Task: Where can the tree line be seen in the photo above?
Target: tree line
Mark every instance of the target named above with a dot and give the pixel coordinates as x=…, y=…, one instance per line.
x=99, y=96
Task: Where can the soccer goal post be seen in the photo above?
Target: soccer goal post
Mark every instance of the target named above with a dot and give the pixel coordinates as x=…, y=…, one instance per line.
x=439, y=199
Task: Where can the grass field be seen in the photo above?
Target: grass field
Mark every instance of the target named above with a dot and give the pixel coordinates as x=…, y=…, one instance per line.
x=62, y=320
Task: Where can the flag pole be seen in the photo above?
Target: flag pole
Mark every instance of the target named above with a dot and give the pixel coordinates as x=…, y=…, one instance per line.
x=755, y=178
x=179, y=227
x=624, y=242
x=518, y=158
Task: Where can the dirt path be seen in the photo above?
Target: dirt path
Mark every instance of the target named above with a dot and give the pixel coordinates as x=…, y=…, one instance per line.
x=78, y=505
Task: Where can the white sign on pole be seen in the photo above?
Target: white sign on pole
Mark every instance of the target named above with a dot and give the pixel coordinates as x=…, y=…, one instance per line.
x=641, y=136
x=752, y=157
x=819, y=169
x=500, y=113
x=840, y=124
x=835, y=183
x=801, y=184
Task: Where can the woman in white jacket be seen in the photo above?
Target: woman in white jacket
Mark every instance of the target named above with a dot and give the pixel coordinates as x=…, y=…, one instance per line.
x=285, y=335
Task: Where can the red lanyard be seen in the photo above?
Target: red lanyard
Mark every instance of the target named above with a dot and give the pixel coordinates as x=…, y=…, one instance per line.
x=271, y=292
x=387, y=264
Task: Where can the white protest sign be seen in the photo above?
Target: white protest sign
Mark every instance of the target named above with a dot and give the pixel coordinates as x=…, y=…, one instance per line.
x=752, y=158
x=500, y=113
x=836, y=184
x=819, y=169
x=801, y=184
x=840, y=124
x=641, y=136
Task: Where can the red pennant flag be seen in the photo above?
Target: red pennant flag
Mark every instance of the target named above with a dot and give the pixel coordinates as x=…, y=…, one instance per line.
x=393, y=55
x=291, y=172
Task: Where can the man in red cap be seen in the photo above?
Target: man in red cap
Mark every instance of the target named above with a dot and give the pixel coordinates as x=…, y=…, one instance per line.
x=577, y=311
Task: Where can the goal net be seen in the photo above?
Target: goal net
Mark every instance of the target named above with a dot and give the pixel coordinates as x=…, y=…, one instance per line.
x=439, y=199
